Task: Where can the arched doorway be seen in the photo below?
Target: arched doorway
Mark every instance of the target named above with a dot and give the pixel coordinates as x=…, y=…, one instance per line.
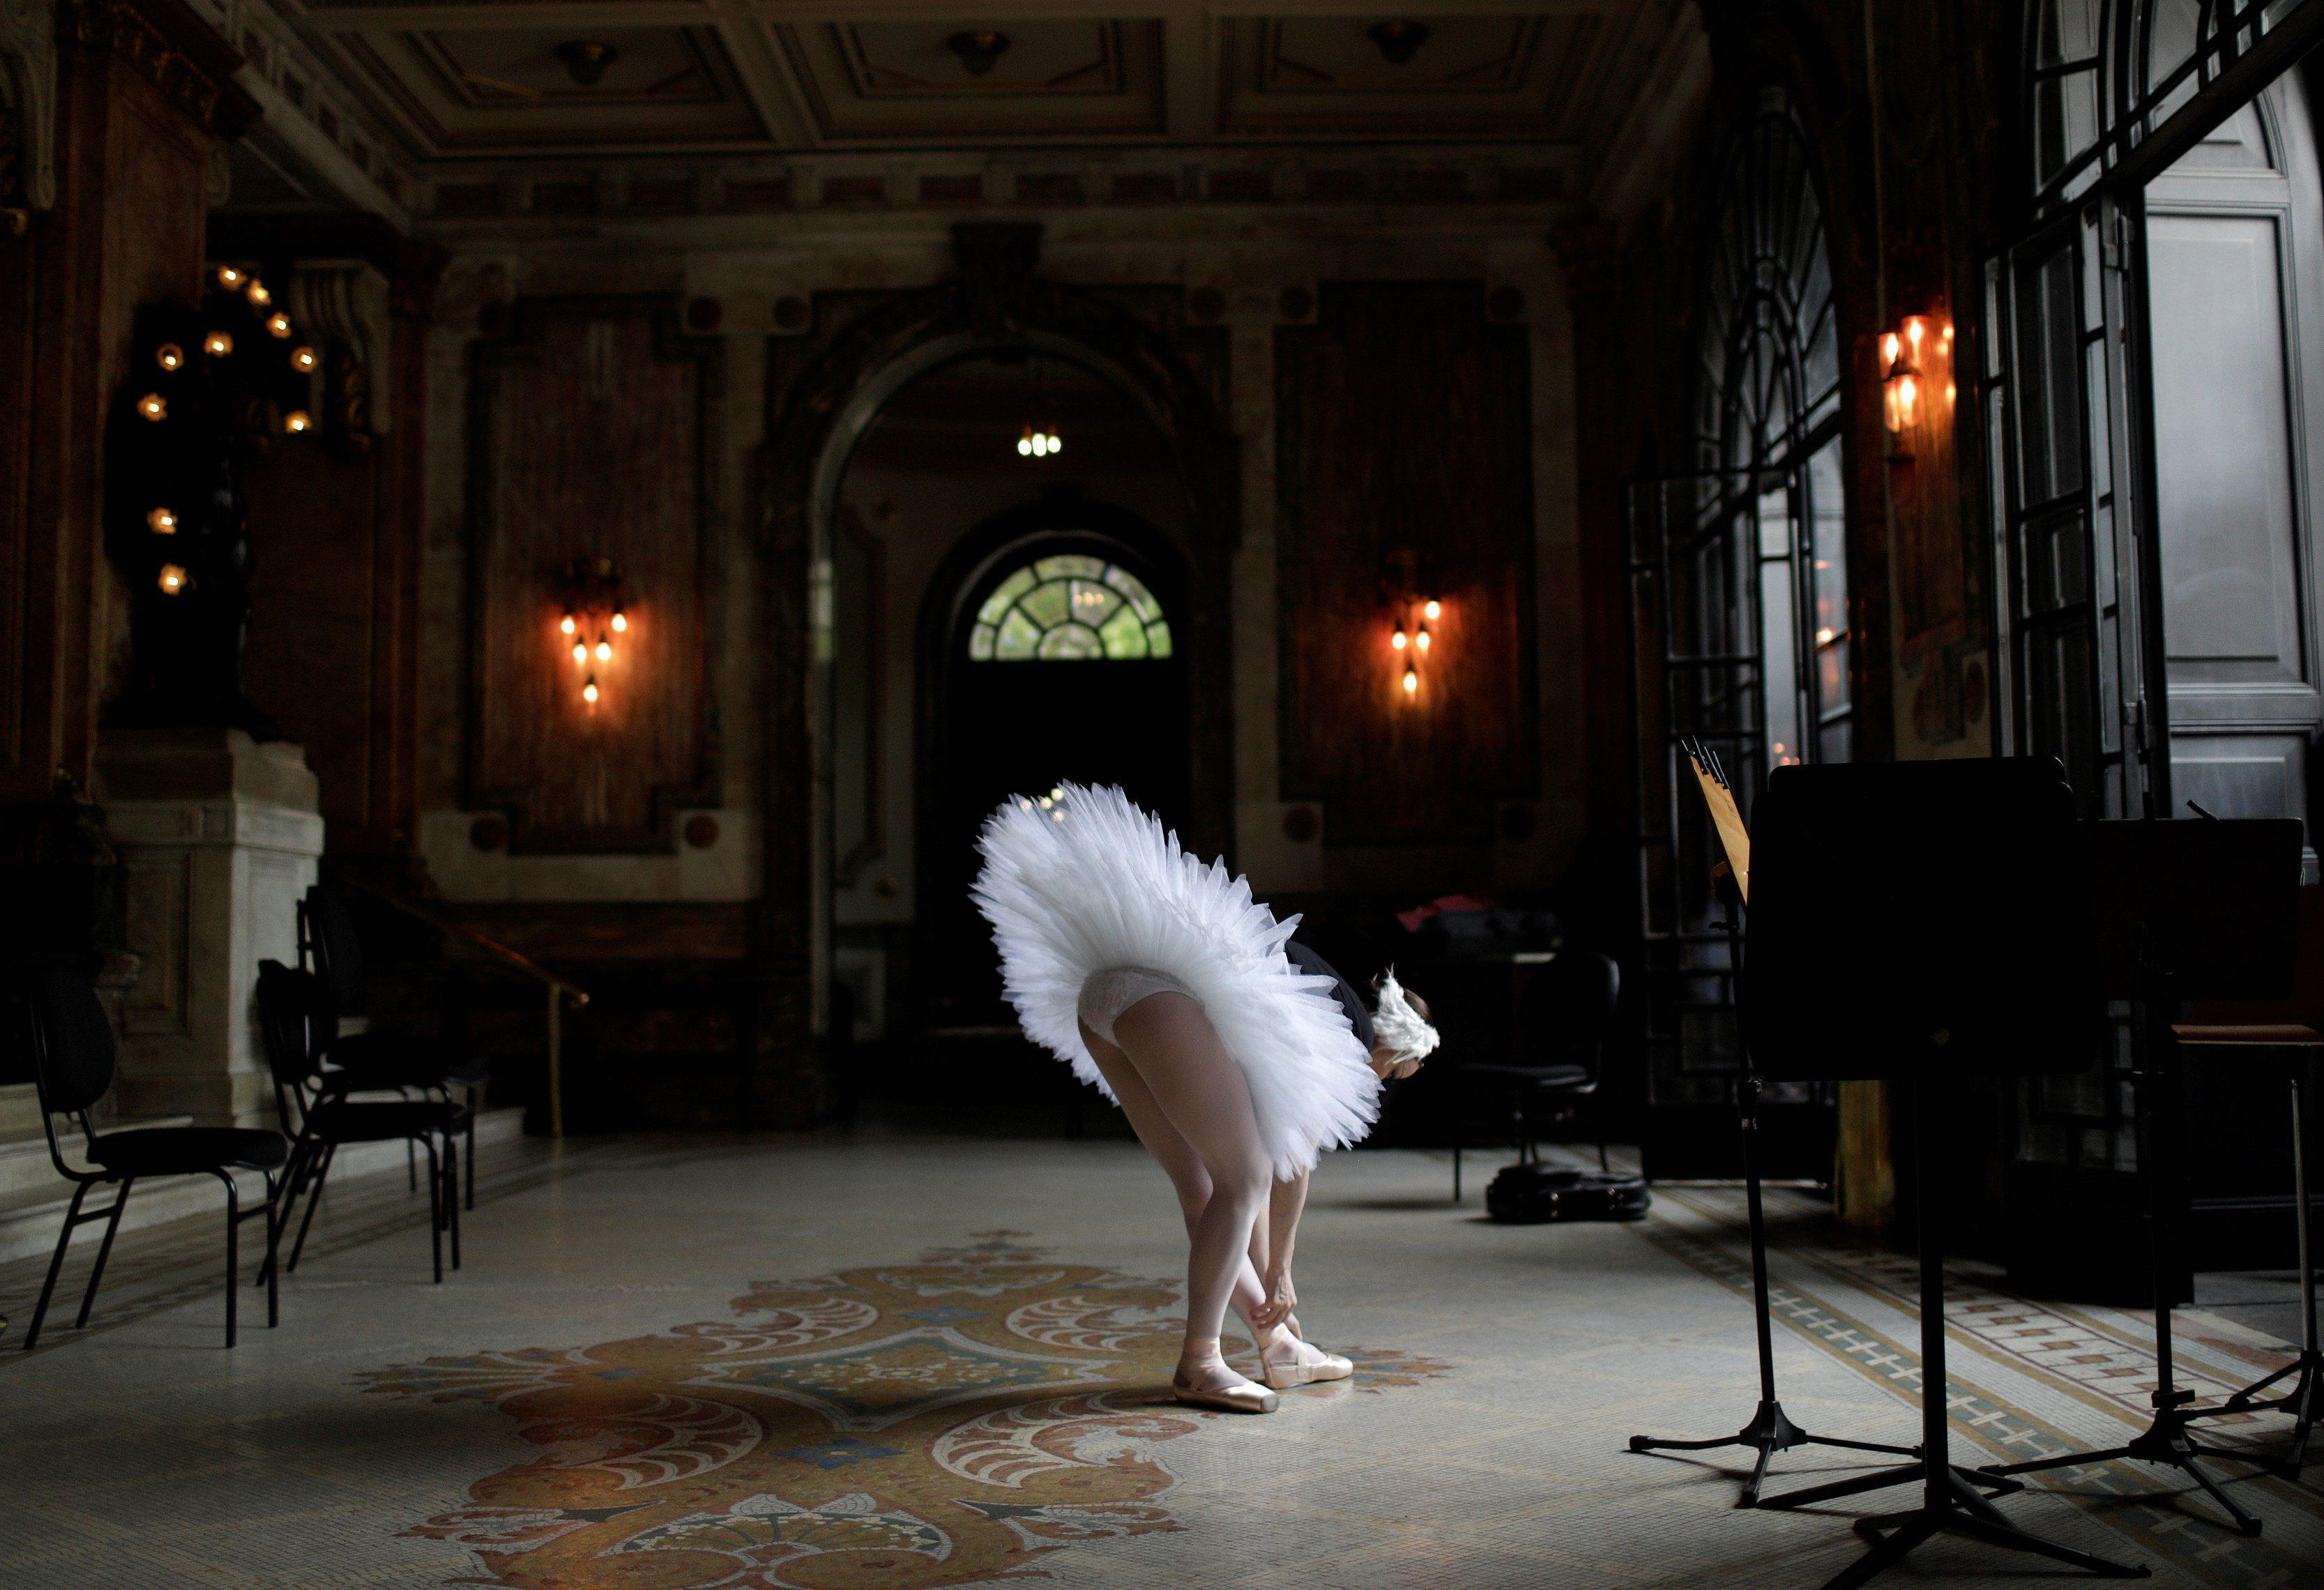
x=1051, y=653
x=828, y=385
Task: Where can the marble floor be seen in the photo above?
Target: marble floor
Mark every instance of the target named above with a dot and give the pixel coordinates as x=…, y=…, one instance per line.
x=829, y=1361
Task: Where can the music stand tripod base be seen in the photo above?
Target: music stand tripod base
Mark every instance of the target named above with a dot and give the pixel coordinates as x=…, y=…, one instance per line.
x=1771, y=1431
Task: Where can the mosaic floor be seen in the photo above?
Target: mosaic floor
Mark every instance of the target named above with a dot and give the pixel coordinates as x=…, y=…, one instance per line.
x=829, y=1363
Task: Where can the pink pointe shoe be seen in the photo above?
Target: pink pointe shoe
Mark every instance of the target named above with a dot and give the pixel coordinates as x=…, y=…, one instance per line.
x=1207, y=1382
x=1291, y=1361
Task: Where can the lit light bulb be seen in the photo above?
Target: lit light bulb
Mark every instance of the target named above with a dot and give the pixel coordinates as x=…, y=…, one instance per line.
x=218, y=345
x=257, y=294
x=1400, y=639
x=152, y=406
x=1915, y=329
x=605, y=650
x=229, y=277
x=170, y=356
x=173, y=580
x=567, y=625
x=1823, y=637
x=1025, y=445
x=279, y=324
x=1411, y=680
x=1041, y=445
x=1889, y=348
x=162, y=521
x=302, y=358
x=1056, y=444
x=580, y=651
x=1432, y=611
x=589, y=692
x=298, y=422
x=1421, y=639
x=621, y=622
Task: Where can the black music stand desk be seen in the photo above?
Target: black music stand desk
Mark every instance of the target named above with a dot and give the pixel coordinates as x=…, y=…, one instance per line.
x=1921, y=923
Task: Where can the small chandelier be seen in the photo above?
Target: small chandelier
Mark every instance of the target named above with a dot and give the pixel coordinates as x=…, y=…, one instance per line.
x=1037, y=442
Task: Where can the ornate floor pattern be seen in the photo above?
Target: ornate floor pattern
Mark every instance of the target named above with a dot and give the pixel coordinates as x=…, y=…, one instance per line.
x=947, y=1421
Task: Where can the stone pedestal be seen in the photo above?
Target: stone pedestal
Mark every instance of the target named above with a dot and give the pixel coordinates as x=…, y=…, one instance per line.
x=219, y=836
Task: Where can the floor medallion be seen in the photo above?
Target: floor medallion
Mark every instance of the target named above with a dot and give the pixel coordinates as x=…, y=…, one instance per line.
x=944, y=1422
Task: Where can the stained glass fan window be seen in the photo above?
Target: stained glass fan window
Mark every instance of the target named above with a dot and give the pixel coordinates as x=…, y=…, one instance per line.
x=1069, y=607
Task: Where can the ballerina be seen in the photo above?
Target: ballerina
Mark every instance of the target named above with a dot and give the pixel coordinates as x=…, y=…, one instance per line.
x=1165, y=986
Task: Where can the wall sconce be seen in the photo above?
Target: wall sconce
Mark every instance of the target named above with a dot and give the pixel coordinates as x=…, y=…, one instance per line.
x=1916, y=363
x=1408, y=596
x=591, y=615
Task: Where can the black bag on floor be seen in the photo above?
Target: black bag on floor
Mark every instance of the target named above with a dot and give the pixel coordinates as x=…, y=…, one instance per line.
x=1527, y=1195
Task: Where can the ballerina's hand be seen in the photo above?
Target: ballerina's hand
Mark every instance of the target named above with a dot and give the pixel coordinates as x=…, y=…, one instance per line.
x=1282, y=1298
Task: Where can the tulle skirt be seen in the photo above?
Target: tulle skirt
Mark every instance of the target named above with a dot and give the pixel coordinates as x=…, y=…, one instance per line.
x=1089, y=883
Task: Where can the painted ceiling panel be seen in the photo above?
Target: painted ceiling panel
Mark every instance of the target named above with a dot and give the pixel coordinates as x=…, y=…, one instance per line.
x=488, y=90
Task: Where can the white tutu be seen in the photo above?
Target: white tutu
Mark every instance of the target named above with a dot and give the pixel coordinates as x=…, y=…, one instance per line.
x=1091, y=882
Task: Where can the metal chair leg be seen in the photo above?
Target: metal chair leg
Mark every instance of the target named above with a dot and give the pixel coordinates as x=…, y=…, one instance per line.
x=410, y=1167
x=232, y=1249
x=56, y=1263
x=436, y=1208
x=452, y=1193
x=1456, y=1164
x=104, y=1251
x=314, y=1199
x=273, y=1233
x=473, y=1103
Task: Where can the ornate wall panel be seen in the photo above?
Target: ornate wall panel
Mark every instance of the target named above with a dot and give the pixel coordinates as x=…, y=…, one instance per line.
x=1402, y=421
x=594, y=432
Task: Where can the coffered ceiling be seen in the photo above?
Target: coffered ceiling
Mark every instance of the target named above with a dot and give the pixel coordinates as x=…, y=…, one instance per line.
x=460, y=80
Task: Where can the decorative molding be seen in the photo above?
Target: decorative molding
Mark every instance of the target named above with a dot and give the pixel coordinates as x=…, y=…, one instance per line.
x=28, y=109
x=168, y=43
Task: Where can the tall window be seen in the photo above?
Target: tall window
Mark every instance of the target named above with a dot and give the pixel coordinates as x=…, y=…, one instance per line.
x=1069, y=607
x=1739, y=606
x=1769, y=554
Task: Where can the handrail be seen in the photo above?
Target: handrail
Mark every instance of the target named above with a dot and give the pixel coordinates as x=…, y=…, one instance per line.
x=522, y=963
x=559, y=990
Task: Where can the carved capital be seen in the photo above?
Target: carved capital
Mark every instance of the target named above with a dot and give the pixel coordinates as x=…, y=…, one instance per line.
x=346, y=302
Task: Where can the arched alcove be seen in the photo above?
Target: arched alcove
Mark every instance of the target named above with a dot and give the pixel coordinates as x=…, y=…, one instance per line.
x=825, y=389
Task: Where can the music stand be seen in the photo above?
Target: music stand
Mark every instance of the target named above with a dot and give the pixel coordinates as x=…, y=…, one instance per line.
x=1769, y=1430
x=2184, y=911
x=1920, y=923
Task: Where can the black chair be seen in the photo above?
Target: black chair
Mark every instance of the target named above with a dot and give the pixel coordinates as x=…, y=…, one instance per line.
x=298, y=1022
x=367, y=1062
x=1580, y=990
x=73, y=1056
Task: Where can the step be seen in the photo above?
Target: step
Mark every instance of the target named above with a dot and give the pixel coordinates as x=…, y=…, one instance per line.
x=20, y=1111
x=29, y=1218
x=24, y=1166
